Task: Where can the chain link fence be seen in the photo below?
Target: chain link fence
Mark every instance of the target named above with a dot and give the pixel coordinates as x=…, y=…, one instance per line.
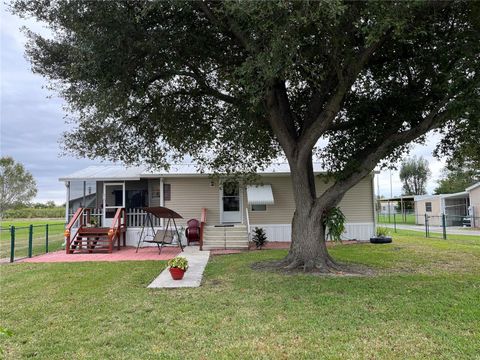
x=18, y=242
x=434, y=226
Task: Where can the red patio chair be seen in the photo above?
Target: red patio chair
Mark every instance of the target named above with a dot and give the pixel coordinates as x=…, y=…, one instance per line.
x=192, y=233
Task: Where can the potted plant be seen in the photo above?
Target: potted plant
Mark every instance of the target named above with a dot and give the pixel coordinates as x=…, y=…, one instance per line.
x=382, y=236
x=178, y=266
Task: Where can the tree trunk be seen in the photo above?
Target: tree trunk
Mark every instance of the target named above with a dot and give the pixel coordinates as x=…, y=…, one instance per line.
x=308, y=249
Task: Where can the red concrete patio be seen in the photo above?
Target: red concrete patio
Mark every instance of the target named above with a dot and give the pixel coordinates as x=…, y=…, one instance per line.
x=125, y=254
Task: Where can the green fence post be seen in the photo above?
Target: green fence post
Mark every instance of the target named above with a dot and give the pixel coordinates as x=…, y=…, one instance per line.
x=30, y=241
x=12, y=243
x=426, y=225
x=46, y=238
x=444, y=227
x=394, y=223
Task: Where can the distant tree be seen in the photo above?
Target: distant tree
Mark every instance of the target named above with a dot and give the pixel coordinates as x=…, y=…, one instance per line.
x=461, y=144
x=456, y=179
x=17, y=185
x=414, y=174
x=50, y=204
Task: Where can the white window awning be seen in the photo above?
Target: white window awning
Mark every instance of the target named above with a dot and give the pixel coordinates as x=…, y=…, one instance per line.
x=260, y=195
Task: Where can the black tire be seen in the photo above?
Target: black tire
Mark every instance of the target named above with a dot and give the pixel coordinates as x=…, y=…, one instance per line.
x=381, y=240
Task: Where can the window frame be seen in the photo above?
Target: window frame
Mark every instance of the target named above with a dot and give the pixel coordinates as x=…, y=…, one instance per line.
x=262, y=210
x=428, y=206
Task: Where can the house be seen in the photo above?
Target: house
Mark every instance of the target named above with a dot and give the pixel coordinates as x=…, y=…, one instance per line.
x=474, y=197
x=268, y=204
x=387, y=207
x=454, y=206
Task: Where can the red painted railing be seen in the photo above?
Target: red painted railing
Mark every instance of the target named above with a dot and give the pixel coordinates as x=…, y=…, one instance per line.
x=79, y=215
x=118, y=228
x=203, y=221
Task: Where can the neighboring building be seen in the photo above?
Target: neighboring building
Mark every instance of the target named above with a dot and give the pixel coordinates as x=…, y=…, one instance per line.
x=454, y=206
x=402, y=204
x=269, y=205
x=387, y=207
x=474, y=196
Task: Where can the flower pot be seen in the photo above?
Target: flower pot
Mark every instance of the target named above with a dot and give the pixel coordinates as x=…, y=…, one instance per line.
x=177, y=274
x=381, y=240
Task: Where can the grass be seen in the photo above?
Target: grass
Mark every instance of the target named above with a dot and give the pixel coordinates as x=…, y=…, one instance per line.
x=433, y=235
x=55, y=232
x=399, y=219
x=422, y=304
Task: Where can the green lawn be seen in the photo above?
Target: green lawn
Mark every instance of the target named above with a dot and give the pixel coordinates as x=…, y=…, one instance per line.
x=399, y=219
x=422, y=303
x=55, y=231
x=433, y=235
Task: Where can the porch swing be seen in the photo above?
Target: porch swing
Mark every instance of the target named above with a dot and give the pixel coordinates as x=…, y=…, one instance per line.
x=163, y=237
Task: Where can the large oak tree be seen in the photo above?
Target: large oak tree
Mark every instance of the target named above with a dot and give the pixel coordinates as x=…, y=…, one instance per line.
x=237, y=84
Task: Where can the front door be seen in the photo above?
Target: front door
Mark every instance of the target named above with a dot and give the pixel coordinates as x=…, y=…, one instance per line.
x=231, y=203
x=113, y=199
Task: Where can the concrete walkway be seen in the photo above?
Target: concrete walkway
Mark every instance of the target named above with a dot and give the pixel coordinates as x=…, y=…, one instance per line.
x=197, y=261
x=452, y=230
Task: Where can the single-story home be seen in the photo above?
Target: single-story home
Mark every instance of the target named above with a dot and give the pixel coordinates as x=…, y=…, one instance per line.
x=456, y=207
x=268, y=204
x=474, y=196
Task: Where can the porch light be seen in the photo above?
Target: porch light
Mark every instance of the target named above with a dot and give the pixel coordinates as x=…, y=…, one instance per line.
x=66, y=233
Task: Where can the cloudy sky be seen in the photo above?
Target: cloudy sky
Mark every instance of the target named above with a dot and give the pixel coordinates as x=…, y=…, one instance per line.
x=32, y=121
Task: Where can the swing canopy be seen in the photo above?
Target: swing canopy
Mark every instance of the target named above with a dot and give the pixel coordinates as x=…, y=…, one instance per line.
x=162, y=237
x=162, y=212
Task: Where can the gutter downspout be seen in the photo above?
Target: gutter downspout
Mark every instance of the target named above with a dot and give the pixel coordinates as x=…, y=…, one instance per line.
x=162, y=201
x=374, y=205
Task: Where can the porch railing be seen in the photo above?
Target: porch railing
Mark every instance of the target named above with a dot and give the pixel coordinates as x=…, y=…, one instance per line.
x=92, y=214
x=78, y=220
x=203, y=221
x=117, y=229
x=134, y=217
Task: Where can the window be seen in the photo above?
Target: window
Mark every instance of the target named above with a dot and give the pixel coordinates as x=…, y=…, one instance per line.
x=428, y=207
x=136, y=198
x=259, y=207
x=167, y=192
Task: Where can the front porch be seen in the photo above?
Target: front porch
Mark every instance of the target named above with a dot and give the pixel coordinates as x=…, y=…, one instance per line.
x=124, y=254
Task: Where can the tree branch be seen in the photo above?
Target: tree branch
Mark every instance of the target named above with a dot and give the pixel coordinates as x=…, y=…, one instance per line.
x=369, y=159
x=325, y=115
x=231, y=26
x=280, y=117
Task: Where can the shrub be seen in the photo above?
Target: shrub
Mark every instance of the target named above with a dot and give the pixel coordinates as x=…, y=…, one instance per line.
x=178, y=262
x=259, y=237
x=28, y=213
x=382, y=231
x=334, y=222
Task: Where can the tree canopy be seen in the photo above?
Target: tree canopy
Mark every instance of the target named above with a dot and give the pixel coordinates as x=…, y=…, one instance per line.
x=457, y=179
x=237, y=84
x=179, y=77
x=414, y=174
x=17, y=185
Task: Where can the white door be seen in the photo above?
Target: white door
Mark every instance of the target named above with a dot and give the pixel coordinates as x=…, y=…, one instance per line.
x=113, y=199
x=231, y=203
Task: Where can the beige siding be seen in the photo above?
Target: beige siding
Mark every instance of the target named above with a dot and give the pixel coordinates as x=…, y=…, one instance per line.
x=435, y=213
x=190, y=195
x=475, y=202
x=357, y=204
x=282, y=211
